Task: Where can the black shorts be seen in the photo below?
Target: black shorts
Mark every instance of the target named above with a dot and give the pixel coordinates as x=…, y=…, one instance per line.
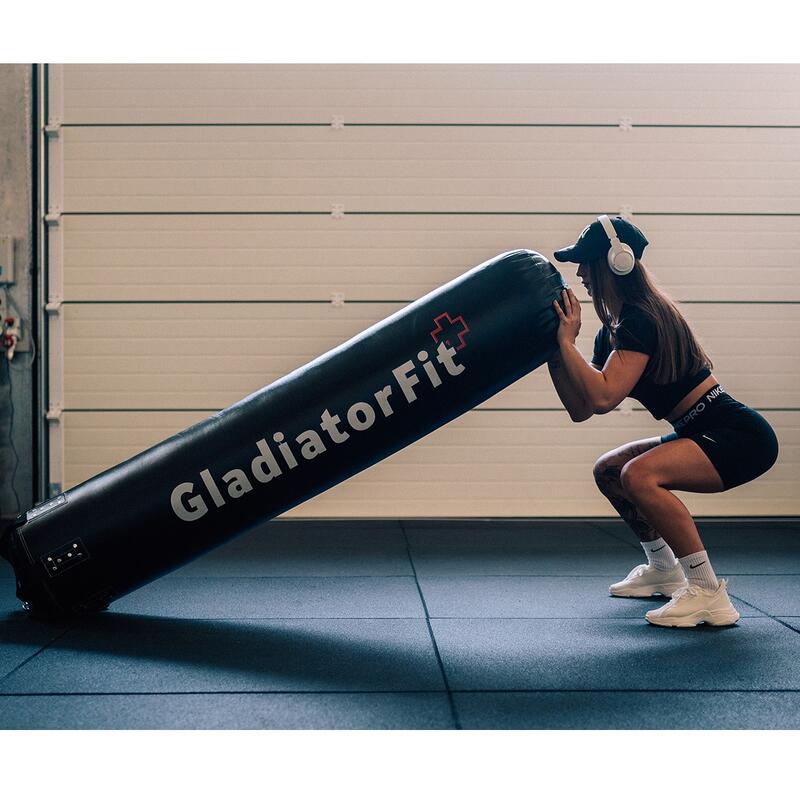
x=738, y=441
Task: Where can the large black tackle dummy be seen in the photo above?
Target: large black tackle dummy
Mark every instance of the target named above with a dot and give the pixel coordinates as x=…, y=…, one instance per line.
x=385, y=388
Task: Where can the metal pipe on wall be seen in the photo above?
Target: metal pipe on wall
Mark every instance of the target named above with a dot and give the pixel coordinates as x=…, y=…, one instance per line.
x=40, y=281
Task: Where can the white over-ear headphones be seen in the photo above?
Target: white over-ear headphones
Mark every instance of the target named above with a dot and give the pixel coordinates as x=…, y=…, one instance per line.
x=620, y=256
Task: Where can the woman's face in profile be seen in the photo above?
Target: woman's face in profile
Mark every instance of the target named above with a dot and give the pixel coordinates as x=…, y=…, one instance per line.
x=583, y=276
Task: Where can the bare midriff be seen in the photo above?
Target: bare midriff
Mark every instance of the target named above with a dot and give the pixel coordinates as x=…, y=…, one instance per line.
x=691, y=398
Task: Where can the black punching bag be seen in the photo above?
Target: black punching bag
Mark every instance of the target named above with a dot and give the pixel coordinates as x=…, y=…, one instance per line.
x=346, y=410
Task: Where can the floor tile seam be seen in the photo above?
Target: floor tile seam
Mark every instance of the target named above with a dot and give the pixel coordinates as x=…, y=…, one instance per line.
x=561, y=619
x=221, y=577
x=279, y=577
x=452, y=576
x=34, y=655
x=453, y=710
x=773, y=617
x=229, y=692
x=586, y=619
x=427, y=576
x=760, y=615
x=432, y=692
x=732, y=550
x=262, y=619
x=626, y=691
x=611, y=534
x=599, y=689
x=655, y=601
x=459, y=576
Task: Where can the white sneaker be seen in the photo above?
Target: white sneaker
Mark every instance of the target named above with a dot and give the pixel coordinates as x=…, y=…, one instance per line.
x=645, y=581
x=692, y=605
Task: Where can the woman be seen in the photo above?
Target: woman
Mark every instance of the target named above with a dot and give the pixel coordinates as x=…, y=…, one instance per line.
x=646, y=350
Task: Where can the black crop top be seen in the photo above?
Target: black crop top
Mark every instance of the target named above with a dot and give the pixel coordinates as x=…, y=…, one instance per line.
x=637, y=332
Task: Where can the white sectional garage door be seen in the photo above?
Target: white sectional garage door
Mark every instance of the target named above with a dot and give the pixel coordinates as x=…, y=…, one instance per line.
x=204, y=218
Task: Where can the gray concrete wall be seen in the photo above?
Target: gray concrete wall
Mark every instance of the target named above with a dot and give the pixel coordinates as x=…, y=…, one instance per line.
x=16, y=153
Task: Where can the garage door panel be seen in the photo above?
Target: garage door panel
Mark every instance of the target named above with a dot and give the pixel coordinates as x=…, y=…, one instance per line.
x=399, y=257
x=431, y=93
x=210, y=356
x=434, y=169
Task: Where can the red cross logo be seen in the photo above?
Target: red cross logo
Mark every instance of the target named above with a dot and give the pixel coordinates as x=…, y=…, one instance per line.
x=450, y=330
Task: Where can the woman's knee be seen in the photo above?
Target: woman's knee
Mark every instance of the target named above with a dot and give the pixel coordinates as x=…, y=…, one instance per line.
x=606, y=473
x=637, y=479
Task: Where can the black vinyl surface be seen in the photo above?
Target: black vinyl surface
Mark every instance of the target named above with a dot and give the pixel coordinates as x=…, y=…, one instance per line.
x=417, y=624
x=347, y=409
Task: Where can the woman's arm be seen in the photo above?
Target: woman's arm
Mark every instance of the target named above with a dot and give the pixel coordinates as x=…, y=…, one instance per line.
x=573, y=399
x=602, y=389
x=591, y=382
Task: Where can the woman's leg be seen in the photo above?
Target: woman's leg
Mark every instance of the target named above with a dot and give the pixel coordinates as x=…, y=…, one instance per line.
x=646, y=481
x=649, y=478
x=607, y=474
x=662, y=574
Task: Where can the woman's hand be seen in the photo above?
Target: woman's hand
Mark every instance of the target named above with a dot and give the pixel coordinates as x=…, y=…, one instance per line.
x=570, y=318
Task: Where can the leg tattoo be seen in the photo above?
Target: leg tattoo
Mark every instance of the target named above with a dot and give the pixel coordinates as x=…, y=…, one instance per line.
x=607, y=476
x=610, y=476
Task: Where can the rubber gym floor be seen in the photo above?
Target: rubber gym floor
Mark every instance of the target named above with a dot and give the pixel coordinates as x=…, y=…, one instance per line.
x=417, y=624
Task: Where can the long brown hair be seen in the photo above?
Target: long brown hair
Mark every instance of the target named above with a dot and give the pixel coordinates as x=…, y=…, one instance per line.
x=677, y=350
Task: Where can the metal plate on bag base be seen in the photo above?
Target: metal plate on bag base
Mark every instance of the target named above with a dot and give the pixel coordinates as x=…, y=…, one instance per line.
x=65, y=557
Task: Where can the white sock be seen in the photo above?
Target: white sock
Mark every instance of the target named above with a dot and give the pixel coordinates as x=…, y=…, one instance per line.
x=659, y=555
x=699, y=571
